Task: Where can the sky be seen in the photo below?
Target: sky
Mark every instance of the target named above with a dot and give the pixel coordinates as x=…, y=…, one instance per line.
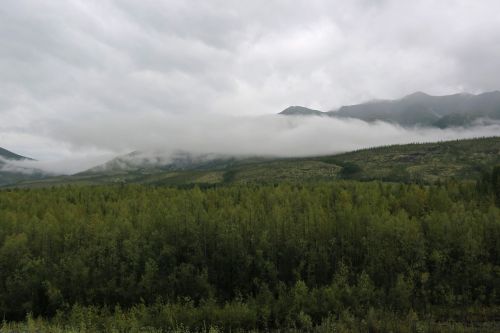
x=83, y=80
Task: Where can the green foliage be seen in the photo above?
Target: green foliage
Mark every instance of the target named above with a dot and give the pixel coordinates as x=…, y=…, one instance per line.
x=495, y=184
x=349, y=169
x=348, y=256
x=427, y=162
x=490, y=184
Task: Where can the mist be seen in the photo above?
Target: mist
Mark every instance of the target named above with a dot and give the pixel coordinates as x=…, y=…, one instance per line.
x=160, y=135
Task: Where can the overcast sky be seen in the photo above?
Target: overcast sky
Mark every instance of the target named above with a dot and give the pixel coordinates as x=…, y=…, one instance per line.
x=93, y=77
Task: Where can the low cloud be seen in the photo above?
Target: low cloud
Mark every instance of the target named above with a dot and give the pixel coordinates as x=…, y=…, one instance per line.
x=161, y=135
x=65, y=166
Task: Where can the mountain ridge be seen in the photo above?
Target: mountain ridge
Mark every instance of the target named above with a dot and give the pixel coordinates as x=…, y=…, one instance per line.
x=8, y=155
x=419, y=109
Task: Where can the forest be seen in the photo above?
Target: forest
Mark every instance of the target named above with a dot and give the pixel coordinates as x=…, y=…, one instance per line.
x=344, y=256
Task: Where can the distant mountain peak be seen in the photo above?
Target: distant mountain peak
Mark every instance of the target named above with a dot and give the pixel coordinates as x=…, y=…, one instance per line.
x=416, y=95
x=6, y=154
x=297, y=110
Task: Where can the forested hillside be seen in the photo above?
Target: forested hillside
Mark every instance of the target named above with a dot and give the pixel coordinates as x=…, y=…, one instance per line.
x=344, y=256
x=427, y=162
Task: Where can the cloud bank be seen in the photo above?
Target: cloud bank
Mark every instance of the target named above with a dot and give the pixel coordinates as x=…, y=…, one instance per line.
x=162, y=134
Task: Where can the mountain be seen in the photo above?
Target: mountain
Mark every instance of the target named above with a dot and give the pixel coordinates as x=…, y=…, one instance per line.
x=150, y=162
x=8, y=155
x=427, y=162
x=420, y=109
x=12, y=173
x=300, y=111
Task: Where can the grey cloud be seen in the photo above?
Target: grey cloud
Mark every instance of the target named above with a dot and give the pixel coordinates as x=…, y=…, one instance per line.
x=159, y=134
x=144, y=62
x=59, y=166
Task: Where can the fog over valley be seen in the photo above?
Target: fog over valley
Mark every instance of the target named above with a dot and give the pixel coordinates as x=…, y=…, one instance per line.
x=160, y=135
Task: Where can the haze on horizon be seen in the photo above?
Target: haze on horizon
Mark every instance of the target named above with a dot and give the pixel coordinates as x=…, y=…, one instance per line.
x=83, y=81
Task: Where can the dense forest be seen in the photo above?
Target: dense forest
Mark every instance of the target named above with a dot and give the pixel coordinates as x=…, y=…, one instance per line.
x=334, y=256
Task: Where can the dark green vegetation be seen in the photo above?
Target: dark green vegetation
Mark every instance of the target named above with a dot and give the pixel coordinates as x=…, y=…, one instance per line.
x=342, y=256
x=427, y=163
x=419, y=109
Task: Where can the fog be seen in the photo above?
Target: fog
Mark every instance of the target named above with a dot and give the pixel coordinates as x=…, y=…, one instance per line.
x=160, y=135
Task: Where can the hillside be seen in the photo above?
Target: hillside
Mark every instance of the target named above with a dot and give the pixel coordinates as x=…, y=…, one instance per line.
x=11, y=173
x=6, y=154
x=428, y=162
x=420, y=109
x=461, y=159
